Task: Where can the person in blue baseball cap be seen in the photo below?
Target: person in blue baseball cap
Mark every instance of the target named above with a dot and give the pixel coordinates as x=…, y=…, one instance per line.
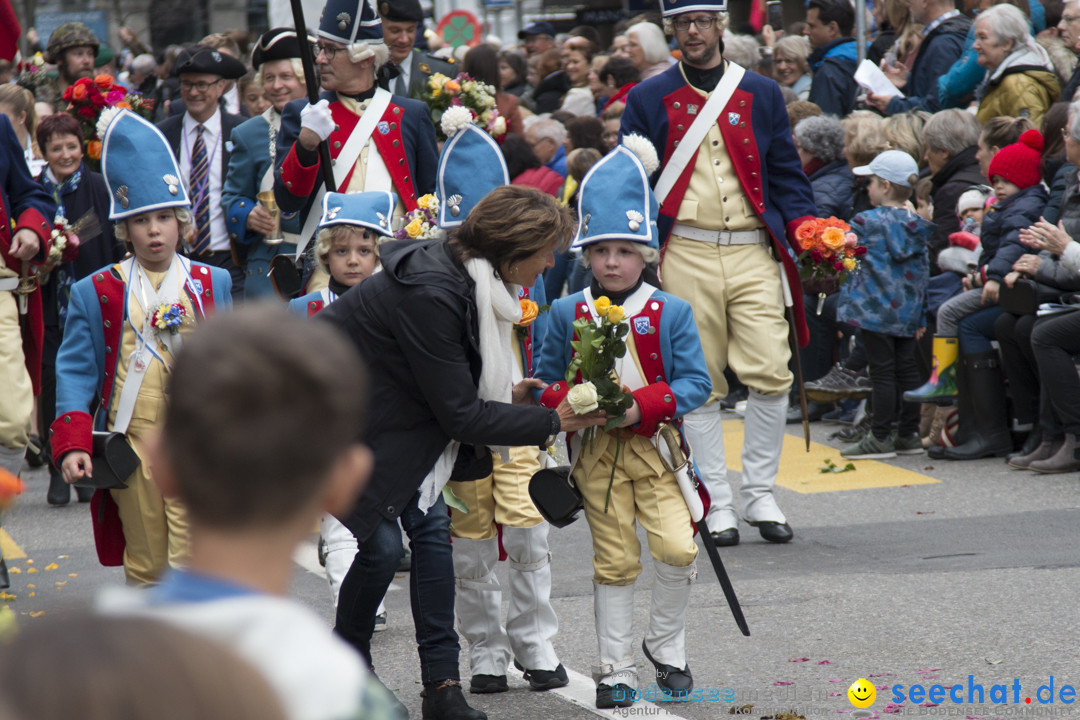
x=125, y=324
x=664, y=369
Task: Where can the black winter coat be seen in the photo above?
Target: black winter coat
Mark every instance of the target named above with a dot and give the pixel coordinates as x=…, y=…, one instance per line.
x=959, y=173
x=1000, y=236
x=833, y=190
x=415, y=325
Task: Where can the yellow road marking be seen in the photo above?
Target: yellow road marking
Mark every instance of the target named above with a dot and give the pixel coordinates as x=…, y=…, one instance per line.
x=800, y=470
x=8, y=547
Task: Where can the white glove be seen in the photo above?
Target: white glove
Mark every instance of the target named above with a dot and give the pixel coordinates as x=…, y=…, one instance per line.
x=318, y=119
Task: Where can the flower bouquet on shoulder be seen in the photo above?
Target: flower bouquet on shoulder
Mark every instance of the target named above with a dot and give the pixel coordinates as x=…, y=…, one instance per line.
x=466, y=101
x=591, y=377
x=89, y=99
x=827, y=253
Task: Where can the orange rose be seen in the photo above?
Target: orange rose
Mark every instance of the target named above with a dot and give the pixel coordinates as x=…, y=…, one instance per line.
x=452, y=87
x=93, y=149
x=529, y=311
x=78, y=92
x=833, y=238
x=124, y=104
x=104, y=81
x=804, y=235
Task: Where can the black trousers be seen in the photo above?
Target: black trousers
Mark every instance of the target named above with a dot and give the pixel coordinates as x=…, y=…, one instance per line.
x=892, y=371
x=1013, y=334
x=1055, y=340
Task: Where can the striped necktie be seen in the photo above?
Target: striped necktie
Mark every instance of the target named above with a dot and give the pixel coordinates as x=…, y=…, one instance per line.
x=200, y=187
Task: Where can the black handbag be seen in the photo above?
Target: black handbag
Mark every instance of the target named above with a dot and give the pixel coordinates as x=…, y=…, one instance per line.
x=1025, y=296
x=114, y=462
x=555, y=495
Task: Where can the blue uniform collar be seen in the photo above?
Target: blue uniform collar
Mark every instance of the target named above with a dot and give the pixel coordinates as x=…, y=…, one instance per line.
x=186, y=586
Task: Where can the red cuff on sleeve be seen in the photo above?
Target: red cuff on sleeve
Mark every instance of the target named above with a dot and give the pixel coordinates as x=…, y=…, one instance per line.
x=554, y=394
x=32, y=220
x=657, y=405
x=71, y=431
x=299, y=180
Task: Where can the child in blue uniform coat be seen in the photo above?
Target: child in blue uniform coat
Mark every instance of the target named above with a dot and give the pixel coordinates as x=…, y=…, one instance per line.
x=664, y=368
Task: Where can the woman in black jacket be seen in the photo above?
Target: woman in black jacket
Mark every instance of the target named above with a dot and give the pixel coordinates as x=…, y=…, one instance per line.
x=78, y=192
x=425, y=325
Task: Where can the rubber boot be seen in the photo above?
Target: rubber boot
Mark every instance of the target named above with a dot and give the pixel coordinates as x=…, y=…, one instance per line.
x=531, y=623
x=941, y=387
x=478, y=606
x=990, y=423
x=665, y=640
x=704, y=431
x=615, y=675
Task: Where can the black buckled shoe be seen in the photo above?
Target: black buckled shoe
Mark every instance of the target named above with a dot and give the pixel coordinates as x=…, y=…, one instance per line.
x=485, y=684
x=445, y=701
x=725, y=538
x=678, y=681
x=774, y=532
x=620, y=695
x=545, y=679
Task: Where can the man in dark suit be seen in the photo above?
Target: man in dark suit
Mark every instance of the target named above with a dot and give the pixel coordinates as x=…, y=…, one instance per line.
x=401, y=19
x=200, y=141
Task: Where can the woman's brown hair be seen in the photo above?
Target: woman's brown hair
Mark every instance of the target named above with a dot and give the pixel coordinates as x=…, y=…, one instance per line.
x=512, y=223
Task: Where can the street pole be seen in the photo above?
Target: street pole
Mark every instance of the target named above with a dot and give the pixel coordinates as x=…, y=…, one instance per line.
x=860, y=28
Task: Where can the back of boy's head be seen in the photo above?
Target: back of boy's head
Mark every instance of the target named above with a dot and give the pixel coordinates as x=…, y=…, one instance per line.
x=580, y=160
x=262, y=405
x=1019, y=163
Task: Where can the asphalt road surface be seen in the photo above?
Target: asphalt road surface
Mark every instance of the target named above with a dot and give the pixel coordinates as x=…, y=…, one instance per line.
x=906, y=572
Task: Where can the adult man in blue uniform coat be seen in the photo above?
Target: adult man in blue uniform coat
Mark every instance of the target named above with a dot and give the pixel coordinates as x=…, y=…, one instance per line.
x=276, y=60
x=731, y=191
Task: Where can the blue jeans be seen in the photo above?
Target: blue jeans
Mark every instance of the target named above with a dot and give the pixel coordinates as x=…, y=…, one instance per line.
x=977, y=330
x=431, y=588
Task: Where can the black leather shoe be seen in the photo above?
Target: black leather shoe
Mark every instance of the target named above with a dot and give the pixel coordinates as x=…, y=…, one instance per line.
x=59, y=491
x=84, y=494
x=545, y=679
x=678, y=682
x=35, y=452
x=610, y=697
x=4, y=580
x=445, y=701
x=485, y=684
x=725, y=538
x=937, y=452
x=774, y=532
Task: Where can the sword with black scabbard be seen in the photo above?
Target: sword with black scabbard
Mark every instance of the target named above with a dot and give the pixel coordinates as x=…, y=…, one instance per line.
x=668, y=443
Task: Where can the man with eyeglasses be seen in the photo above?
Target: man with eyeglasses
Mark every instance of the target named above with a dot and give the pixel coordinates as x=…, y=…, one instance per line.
x=731, y=191
x=1069, y=28
x=378, y=141
x=200, y=140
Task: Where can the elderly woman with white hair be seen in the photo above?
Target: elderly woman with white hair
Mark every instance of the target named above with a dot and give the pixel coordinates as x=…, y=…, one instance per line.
x=820, y=143
x=647, y=48
x=1020, y=79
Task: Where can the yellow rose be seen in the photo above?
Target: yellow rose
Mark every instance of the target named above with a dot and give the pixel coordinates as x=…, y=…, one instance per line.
x=833, y=238
x=616, y=314
x=415, y=228
x=425, y=200
x=849, y=264
x=602, y=305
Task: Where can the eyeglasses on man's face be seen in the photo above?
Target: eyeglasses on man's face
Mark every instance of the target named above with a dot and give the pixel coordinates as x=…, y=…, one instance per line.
x=701, y=23
x=328, y=50
x=201, y=86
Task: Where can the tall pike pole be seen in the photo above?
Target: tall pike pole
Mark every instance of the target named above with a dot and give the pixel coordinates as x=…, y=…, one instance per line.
x=312, y=91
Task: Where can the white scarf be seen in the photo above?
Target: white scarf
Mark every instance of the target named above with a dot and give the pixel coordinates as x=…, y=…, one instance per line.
x=497, y=309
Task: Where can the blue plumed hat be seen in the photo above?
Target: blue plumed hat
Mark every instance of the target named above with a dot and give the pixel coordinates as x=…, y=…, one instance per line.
x=139, y=167
x=374, y=210
x=471, y=166
x=615, y=201
x=350, y=22
x=671, y=8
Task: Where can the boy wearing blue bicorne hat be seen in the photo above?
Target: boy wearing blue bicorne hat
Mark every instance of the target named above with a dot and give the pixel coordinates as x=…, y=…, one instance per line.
x=471, y=166
x=378, y=141
x=125, y=323
x=664, y=369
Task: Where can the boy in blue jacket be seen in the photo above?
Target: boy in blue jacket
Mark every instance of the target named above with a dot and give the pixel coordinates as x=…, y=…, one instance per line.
x=664, y=369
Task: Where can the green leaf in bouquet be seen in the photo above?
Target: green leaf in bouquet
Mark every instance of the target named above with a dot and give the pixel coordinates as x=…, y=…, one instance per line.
x=453, y=501
x=614, y=422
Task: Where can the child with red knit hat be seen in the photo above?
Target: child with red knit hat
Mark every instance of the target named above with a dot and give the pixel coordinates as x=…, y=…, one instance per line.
x=1017, y=180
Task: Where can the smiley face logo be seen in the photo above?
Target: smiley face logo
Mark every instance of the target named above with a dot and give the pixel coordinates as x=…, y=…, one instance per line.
x=862, y=693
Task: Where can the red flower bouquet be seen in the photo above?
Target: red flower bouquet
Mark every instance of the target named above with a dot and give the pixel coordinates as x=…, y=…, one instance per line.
x=88, y=97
